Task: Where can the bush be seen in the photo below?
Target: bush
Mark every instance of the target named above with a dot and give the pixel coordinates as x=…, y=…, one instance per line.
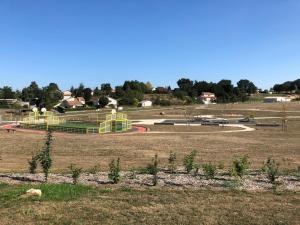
x=240, y=166
x=75, y=173
x=271, y=168
x=209, y=170
x=172, y=162
x=33, y=163
x=153, y=169
x=114, y=171
x=188, y=161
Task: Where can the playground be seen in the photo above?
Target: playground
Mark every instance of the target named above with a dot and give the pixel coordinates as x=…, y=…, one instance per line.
x=44, y=120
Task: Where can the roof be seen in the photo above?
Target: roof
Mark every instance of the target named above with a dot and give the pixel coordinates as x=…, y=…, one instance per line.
x=207, y=93
x=145, y=101
x=67, y=93
x=74, y=102
x=81, y=99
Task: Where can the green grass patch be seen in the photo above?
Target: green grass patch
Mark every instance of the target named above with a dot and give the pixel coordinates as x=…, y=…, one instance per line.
x=50, y=192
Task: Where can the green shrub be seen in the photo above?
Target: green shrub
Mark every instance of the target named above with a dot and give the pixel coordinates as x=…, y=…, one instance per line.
x=172, y=162
x=188, y=161
x=240, y=166
x=209, y=170
x=271, y=168
x=75, y=173
x=153, y=169
x=33, y=163
x=114, y=171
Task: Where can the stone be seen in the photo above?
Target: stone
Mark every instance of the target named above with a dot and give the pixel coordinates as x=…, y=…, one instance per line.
x=33, y=192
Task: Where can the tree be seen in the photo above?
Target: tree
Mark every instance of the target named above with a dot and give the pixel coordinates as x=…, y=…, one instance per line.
x=87, y=94
x=50, y=96
x=96, y=92
x=185, y=84
x=7, y=93
x=32, y=92
x=103, y=101
x=149, y=87
x=246, y=86
x=106, y=89
x=79, y=91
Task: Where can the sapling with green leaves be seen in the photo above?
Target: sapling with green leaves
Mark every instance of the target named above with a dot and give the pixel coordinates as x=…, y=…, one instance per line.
x=114, y=171
x=75, y=172
x=153, y=169
x=272, y=169
x=240, y=166
x=172, y=162
x=188, y=161
x=33, y=163
x=209, y=170
x=45, y=155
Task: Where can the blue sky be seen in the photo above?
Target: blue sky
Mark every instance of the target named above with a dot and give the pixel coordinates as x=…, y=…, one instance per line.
x=72, y=41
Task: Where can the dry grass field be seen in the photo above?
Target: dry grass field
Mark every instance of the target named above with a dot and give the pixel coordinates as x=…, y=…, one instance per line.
x=68, y=204
x=136, y=150
x=76, y=204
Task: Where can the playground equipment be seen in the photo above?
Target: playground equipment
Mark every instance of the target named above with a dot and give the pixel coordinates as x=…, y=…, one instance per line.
x=45, y=118
x=115, y=122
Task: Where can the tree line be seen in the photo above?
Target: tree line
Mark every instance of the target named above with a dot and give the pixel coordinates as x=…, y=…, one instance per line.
x=132, y=92
x=288, y=87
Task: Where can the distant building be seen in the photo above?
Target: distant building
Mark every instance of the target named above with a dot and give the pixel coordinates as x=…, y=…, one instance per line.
x=66, y=95
x=277, y=99
x=208, y=97
x=112, y=102
x=145, y=103
x=73, y=102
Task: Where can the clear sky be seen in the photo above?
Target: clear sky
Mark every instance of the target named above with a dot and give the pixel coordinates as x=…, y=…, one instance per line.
x=72, y=41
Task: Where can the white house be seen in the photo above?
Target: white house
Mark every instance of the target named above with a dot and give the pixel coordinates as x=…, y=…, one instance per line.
x=67, y=95
x=207, y=97
x=277, y=99
x=145, y=103
x=112, y=102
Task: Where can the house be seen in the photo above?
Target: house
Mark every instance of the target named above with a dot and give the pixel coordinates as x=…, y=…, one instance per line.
x=81, y=100
x=145, y=103
x=73, y=102
x=277, y=99
x=112, y=102
x=67, y=94
x=207, y=97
